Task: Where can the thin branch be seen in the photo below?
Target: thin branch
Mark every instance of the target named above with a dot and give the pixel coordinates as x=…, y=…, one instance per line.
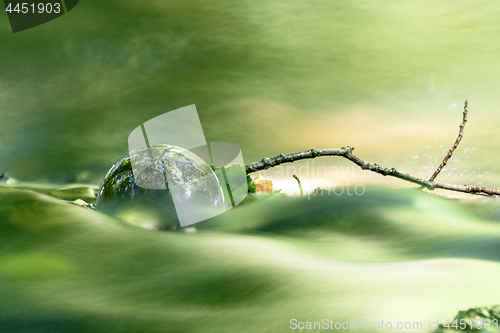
x=346, y=152
x=460, y=135
x=300, y=185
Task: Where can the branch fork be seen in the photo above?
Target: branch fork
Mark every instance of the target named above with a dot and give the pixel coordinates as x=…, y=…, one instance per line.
x=347, y=153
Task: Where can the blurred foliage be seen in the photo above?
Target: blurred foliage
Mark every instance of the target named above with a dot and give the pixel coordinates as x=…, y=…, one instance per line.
x=250, y=184
x=240, y=182
x=275, y=78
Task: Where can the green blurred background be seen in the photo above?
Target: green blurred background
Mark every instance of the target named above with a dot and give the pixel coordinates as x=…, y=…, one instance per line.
x=387, y=77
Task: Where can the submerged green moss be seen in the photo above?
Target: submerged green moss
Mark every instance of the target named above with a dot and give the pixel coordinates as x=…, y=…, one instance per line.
x=481, y=319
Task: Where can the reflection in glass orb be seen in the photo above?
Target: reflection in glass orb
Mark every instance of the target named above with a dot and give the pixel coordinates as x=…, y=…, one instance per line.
x=161, y=187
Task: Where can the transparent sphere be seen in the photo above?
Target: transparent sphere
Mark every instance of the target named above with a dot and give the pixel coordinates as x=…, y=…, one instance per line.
x=161, y=187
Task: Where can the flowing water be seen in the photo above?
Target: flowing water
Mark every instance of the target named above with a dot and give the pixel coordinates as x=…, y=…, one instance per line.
x=387, y=77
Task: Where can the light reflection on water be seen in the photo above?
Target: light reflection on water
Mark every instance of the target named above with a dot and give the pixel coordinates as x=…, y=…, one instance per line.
x=472, y=163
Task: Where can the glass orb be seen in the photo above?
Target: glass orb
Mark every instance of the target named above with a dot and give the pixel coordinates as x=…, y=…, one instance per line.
x=161, y=187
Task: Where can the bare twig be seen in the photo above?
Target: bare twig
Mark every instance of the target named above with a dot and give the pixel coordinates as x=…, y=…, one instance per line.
x=300, y=185
x=346, y=152
x=460, y=135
